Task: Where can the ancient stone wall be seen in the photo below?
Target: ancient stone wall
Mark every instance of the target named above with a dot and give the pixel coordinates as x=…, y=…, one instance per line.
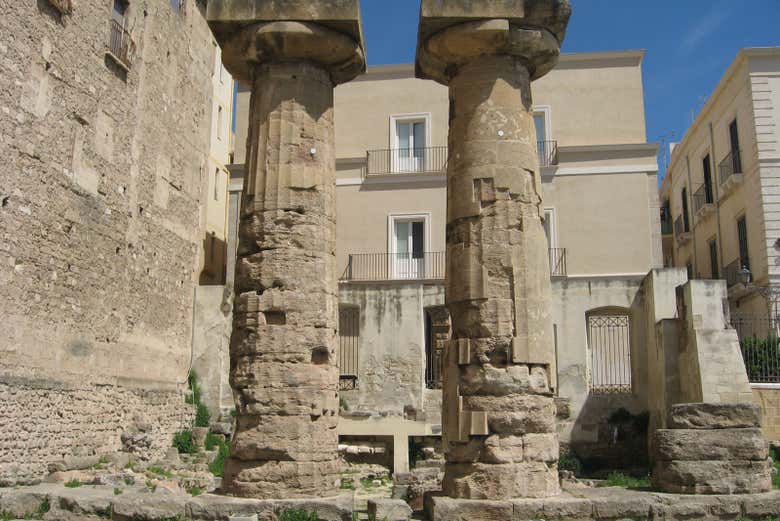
x=100, y=223
x=769, y=400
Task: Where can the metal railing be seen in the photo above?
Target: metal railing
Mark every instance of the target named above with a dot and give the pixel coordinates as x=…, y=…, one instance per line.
x=63, y=6
x=406, y=160
x=395, y=266
x=679, y=226
x=701, y=197
x=121, y=44
x=759, y=340
x=349, y=345
x=558, y=262
x=731, y=164
x=667, y=225
x=732, y=271
x=425, y=266
x=548, y=152
x=609, y=341
x=433, y=369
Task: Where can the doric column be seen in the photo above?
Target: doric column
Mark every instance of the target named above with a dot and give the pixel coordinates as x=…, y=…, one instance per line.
x=283, y=358
x=499, y=376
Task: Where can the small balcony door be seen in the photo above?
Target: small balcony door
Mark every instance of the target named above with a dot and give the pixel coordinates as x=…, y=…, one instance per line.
x=410, y=143
x=408, y=248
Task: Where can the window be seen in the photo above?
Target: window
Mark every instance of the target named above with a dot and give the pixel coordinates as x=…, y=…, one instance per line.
x=686, y=219
x=713, y=247
x=219, y=123
x=736, y=158
x=119, y=13
x=408, y=240
x=689, y=270
x=549, y=227
x=742, y=237
x=437, y=332
x=349, y=345
x=707, y=170
x=409, y=136
x=609, y=341
x=541, y=126
x=121, y=46
x=216, y=184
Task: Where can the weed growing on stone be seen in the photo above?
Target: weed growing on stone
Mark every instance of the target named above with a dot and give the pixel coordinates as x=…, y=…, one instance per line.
x=117, y=491
x=160, y=472
x=217, y=467
x=298, y=515
x=567, y=460
x=195, y=491
x=73, y=483
x=6, y=516
x=151, y=485
x=618, y=479
x=183, y=442
x=776, y=462
x=128, y=480
x=44, y=507
x=202, y=416
x=347, y=484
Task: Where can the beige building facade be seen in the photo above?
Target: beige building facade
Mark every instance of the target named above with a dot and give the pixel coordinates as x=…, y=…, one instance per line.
x=601, y=217
x=721, y=202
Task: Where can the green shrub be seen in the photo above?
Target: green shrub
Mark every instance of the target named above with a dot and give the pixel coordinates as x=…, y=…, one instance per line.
x=618, y=479
x=760, y=354
x=183, y=442
x=202, y=415
x=195, y=491
x=567, y=460
x=776, y=462
x=73, y=483
x=44, y=507
x=298, y=515
x=217, y=467
x=117, y=491
x=347, y=484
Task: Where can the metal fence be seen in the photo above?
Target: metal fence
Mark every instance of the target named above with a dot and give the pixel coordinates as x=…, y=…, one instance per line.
x=558, y=262
x=732, y=272
x=701, y=197
x=349, y=345
x=609, y=341
x=121, y=44
x=759, y=340
x=406, y=161
x=548, y=152
x=731, y=164
x=395, y=266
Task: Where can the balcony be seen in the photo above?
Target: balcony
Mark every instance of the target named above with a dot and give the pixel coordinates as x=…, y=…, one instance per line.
x=121, y=46
x=364, y=267
x=433, y=160
x=667, y=226
x=734, y=273
x=681, y=232
x=730, y=170
x=703, y=202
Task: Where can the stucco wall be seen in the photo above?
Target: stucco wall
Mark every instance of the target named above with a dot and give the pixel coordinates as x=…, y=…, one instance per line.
x=100, y=221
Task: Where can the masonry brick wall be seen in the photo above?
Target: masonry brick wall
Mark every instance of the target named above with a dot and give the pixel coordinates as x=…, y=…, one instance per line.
x=769, y=400
x=100, y=223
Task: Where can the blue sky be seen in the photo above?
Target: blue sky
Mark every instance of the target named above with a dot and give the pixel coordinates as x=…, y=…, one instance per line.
x=689, y=44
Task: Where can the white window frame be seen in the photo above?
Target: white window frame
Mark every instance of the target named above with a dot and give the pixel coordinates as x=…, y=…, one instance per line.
x=409, y=118
x=553, y=226
x=546, y=111
x=220, y=118
x=413, y=216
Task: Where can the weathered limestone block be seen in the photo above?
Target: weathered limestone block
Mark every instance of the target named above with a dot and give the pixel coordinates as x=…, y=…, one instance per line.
x=701, y=445
x=283, y=348
x=499, y=371
x=713, y=477
x=714, y=416
x=389, y=509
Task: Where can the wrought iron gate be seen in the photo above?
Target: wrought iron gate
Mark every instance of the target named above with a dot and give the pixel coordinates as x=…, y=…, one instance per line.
x=349, y=342
x=609, y=340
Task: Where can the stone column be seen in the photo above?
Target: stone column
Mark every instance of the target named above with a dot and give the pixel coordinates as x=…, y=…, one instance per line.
x=283, y=354
x=499, y=377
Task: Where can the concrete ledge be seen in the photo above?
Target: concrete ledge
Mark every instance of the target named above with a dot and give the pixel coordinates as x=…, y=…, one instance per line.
x=607, y=504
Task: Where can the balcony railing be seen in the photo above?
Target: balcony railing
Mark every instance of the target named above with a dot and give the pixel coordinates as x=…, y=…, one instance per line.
x=433, y=159
x=548, y=152
x=121, y=44
x=418, y=266
x=701, y=198
x=732, y=272
x=557, y=262
x=731, y=164
x=406, y=161
x=680, y=230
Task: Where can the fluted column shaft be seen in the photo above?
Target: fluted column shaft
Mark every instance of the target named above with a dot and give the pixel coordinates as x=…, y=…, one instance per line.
x=283, y=349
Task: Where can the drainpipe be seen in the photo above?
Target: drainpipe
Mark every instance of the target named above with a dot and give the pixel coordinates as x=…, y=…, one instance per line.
x=716, y=196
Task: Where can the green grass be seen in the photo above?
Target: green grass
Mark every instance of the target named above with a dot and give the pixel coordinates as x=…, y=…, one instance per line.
x=347, y=484
x=776, y=462
x=195, y=491
x=160, y=472
x=183, y=442
x=618, y=479
x=217, y=467
x=298, y=515
x=73, y=483
x=6, y=516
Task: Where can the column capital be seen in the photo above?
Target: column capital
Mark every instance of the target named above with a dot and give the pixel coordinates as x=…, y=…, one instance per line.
x=327, y=33
x=455, y=33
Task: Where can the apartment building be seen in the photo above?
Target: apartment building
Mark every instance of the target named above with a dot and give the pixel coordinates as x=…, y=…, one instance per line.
x=601, y=209
x=720, y=194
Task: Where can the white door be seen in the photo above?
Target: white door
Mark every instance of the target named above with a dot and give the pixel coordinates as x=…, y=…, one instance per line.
x=409, y=155
x=408, y=249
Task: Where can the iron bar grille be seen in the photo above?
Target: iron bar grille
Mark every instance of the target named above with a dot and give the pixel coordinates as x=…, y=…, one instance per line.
x=121, y=44
x=349, y=345
x=395, y=266
x=407, y=161
x=731, y=272
x=731, y=164
x=609, y=340
x=63, y=6
x=759, y=341
x=701, y=197
x=433, y=368
x=558, y=262
x=548, y=152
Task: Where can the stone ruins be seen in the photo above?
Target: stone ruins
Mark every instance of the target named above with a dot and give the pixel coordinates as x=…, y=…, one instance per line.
x=499, y=376
x=286, y=378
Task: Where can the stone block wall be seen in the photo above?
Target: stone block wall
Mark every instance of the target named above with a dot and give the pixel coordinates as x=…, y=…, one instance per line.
x=100, y=226
x=769, y=400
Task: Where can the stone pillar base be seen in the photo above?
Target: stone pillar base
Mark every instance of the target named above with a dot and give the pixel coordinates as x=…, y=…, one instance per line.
x=712, y=449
